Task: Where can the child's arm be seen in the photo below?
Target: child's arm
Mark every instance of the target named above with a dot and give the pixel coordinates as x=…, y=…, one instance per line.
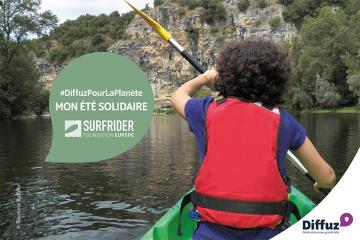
x=318, y=168
x=188, y=89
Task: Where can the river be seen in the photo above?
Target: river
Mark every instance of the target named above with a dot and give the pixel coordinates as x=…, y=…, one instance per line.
x=122, y=197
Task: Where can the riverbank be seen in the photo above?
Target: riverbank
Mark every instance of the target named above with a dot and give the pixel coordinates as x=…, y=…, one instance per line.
x=170, y=110
x=355, y=109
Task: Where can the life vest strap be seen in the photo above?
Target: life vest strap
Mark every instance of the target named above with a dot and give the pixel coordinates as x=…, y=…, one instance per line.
x=284, y=208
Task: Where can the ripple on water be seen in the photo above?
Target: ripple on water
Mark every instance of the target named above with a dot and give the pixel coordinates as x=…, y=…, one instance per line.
x=122, y=197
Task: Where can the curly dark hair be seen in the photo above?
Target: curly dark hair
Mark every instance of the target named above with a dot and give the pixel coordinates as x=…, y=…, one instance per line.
x=253, y=71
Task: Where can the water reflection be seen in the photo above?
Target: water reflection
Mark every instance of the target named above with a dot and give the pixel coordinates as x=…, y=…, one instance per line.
x=122, y=197
x=337, y=137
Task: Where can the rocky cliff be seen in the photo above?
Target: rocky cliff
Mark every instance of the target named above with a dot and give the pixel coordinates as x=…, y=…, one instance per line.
x=165, y=68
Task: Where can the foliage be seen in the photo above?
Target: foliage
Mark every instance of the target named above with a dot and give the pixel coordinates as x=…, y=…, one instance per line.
x=20, y=18
x=297, y=10
x=261, y=4
x=275, y=22
x=40, y=99
x=352, y=6
x=354, y=85
x=214, y=30
x=158, y=2
x=326, y=94
x=190, y=4
x=20, y=91
x=258, y=23
x=243, y=5
x=299, y=99
x=86, y=34
x=325, y=55
x=193, y=34
x=286, y=2
x=212, y=10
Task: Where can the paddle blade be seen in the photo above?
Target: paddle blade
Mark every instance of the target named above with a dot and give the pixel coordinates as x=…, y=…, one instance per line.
x=156, y=26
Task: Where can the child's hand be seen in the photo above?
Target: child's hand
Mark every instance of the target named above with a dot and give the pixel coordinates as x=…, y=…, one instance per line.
x=319, y=188
x=316, y=187
x=211, y=76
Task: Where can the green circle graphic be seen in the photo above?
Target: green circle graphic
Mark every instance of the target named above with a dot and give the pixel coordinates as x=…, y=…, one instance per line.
x=101, y=105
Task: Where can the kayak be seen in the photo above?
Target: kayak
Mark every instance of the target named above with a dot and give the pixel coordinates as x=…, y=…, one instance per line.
x=166, y=227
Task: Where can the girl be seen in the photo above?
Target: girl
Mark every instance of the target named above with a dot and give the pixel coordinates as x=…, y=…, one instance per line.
x=241, y=189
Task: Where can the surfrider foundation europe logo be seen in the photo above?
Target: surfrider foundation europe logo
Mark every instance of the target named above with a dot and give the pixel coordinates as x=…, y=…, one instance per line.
x=72, y=128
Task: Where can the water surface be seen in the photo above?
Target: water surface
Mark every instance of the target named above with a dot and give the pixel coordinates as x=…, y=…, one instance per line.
x=122, y=197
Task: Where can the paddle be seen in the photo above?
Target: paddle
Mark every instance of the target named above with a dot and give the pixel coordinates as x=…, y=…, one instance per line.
x=167, y=37
x=296, y=162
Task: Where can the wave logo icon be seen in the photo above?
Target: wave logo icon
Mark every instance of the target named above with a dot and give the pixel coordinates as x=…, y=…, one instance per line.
x=72, y=128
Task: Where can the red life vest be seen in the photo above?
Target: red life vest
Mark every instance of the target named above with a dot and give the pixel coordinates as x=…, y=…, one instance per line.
x=239, y=183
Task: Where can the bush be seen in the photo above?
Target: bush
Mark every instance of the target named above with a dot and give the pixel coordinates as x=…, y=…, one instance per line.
x=86, y=34
x=158, y=2
x=213, y=11
x=97, y=40
x=191, y=4
x=243, y=5
x=297, y=10
x=354, y=85
x=40, y=100
x=286, y=2
x=258, y=23
x=214, y=29
x=275, y=22
x=18, y=91
x=326, y=94
x=181, y=12
x=193, y=34
x=299, y=99
x=262, y=4
x=334, y=59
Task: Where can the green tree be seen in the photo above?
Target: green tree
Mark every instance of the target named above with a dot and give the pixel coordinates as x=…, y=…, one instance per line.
x=213, y=11
x=85, y=34
x=40, y=101
x=191, y=4
x=354, y=85
x=326, y=94
x=275, y=22
x=262, y=4
x=158, y=2
x=319, y=51
x=19, y=84
x=243, y=5
x=298, y=9
x=97, y=40
x=352, y=6
x=20, y=19
x=352, y=56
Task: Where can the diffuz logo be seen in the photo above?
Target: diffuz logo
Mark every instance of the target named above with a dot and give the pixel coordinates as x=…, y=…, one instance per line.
x=323, y=226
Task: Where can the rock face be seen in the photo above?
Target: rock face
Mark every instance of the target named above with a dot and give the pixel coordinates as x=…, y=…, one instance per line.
x=166, y=69
x=48, y=72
